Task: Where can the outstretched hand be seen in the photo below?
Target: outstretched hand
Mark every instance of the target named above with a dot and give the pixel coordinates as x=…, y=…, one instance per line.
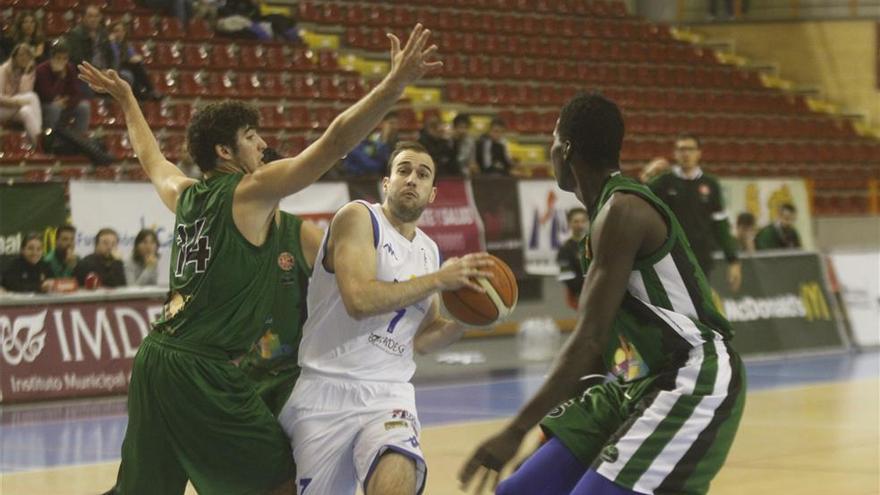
x=490, y=459
x=414, y=60
x=104, y=81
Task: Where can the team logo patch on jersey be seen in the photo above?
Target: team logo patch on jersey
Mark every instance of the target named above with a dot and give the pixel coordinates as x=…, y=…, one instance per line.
x=390, y=425
x=609, y=454
x=387, y=344
x=286, y=261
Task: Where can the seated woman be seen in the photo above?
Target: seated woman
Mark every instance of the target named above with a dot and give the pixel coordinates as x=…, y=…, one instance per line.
x=18, y=101
x=28, y=272
x=142, y=267
x=27, y=28
x=129, y=63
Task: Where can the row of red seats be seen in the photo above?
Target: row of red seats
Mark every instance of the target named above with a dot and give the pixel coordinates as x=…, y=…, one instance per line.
x=454, y=41
x=637, y=123
x=404, y=17
x=142, y=26
x=841, y=204
x=339, y=13
x=632, y=98
x=591, y=54
x=258, y=84
x=247, y=56
x=601, y=74
x=108, y=6
x=863, y=155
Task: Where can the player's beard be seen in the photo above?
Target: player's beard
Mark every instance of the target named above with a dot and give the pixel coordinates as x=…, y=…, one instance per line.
x=404, y=212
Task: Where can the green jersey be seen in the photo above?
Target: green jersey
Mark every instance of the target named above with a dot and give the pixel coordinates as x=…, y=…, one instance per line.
x=668, y=308
x=272, y=361
x=226, y=282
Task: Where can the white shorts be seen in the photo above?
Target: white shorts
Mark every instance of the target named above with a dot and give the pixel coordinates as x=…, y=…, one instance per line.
x=340, y=429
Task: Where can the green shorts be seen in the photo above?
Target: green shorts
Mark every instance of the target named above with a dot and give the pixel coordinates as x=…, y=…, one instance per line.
x=274, y=387
x=192, y=414
x=662, y=439
x=586, y=423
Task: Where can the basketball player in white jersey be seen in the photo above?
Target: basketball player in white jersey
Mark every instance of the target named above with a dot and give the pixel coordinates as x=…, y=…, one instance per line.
x=373, y=300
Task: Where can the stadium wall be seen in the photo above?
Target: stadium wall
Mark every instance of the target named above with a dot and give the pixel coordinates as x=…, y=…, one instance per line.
x=839, y=57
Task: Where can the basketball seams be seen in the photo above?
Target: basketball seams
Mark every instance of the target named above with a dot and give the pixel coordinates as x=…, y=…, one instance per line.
x=454, y=297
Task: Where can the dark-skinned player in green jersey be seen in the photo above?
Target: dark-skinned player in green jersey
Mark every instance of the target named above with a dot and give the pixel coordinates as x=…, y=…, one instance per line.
x=665, y=423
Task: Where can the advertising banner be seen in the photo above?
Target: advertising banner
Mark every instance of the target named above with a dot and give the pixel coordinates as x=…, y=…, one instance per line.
x=126, y=207
x=26, y=208
x=497, y=200
x=783, y=306
x=452, y=220
x=543, y=206
x=63, y=350
x=859, y=277
x=762, y=198
x=317, y=202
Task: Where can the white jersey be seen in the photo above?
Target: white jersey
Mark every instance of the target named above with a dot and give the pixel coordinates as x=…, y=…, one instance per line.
x=377, y=348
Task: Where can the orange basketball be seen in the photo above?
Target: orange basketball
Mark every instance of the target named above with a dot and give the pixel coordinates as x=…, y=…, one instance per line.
x=473, y=308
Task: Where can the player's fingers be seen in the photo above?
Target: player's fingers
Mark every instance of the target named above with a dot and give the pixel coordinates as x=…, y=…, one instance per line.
x=483, y=479
x=467, y=471
x=422, y=41
x=496, y=480
x=429, y=51
x=475, y=287
x=395, y=44
x=481, y=273
x=413, y=39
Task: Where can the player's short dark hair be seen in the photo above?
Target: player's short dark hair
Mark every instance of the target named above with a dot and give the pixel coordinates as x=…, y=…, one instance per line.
x=65, y=227
x=461, y=118
x=218, y=124
x=575, y=211
x=787, y=207
x=745, y=219
x=688, y=135
x=402, y=146
x=594, y=126
x=103, y=232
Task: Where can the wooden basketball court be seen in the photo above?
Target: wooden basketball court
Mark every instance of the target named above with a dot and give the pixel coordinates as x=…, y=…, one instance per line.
x=816, y=439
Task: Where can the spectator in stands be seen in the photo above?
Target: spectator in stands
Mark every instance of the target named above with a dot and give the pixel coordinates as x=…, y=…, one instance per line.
x=62, y=260
x=745, y=232
x=696, y=200
x=241, y=19
x=103, y=263
x=18, y=101
x=26, y=28
x=780, y=234
x=181, y=9
x=130, y=64
x=88, y=41
x=463, y=144
x=653, y=169
x=59, y=90
x=439, y=146
x=143, y=266
x=370, y=157
x=28, y=272
x=492, y=154
x=570, y=270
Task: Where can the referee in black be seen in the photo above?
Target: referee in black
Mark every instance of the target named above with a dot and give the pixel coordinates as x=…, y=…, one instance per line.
x=695, y=198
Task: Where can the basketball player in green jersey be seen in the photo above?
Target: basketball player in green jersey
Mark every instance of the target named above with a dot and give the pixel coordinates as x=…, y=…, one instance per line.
x=272, y=361
x=666, y=422
x=193, y=414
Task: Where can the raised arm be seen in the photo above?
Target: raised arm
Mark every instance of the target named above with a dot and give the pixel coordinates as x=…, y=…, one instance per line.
x=623, y=229
x=284, y=177
x=352, y=256
x=169, y=181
